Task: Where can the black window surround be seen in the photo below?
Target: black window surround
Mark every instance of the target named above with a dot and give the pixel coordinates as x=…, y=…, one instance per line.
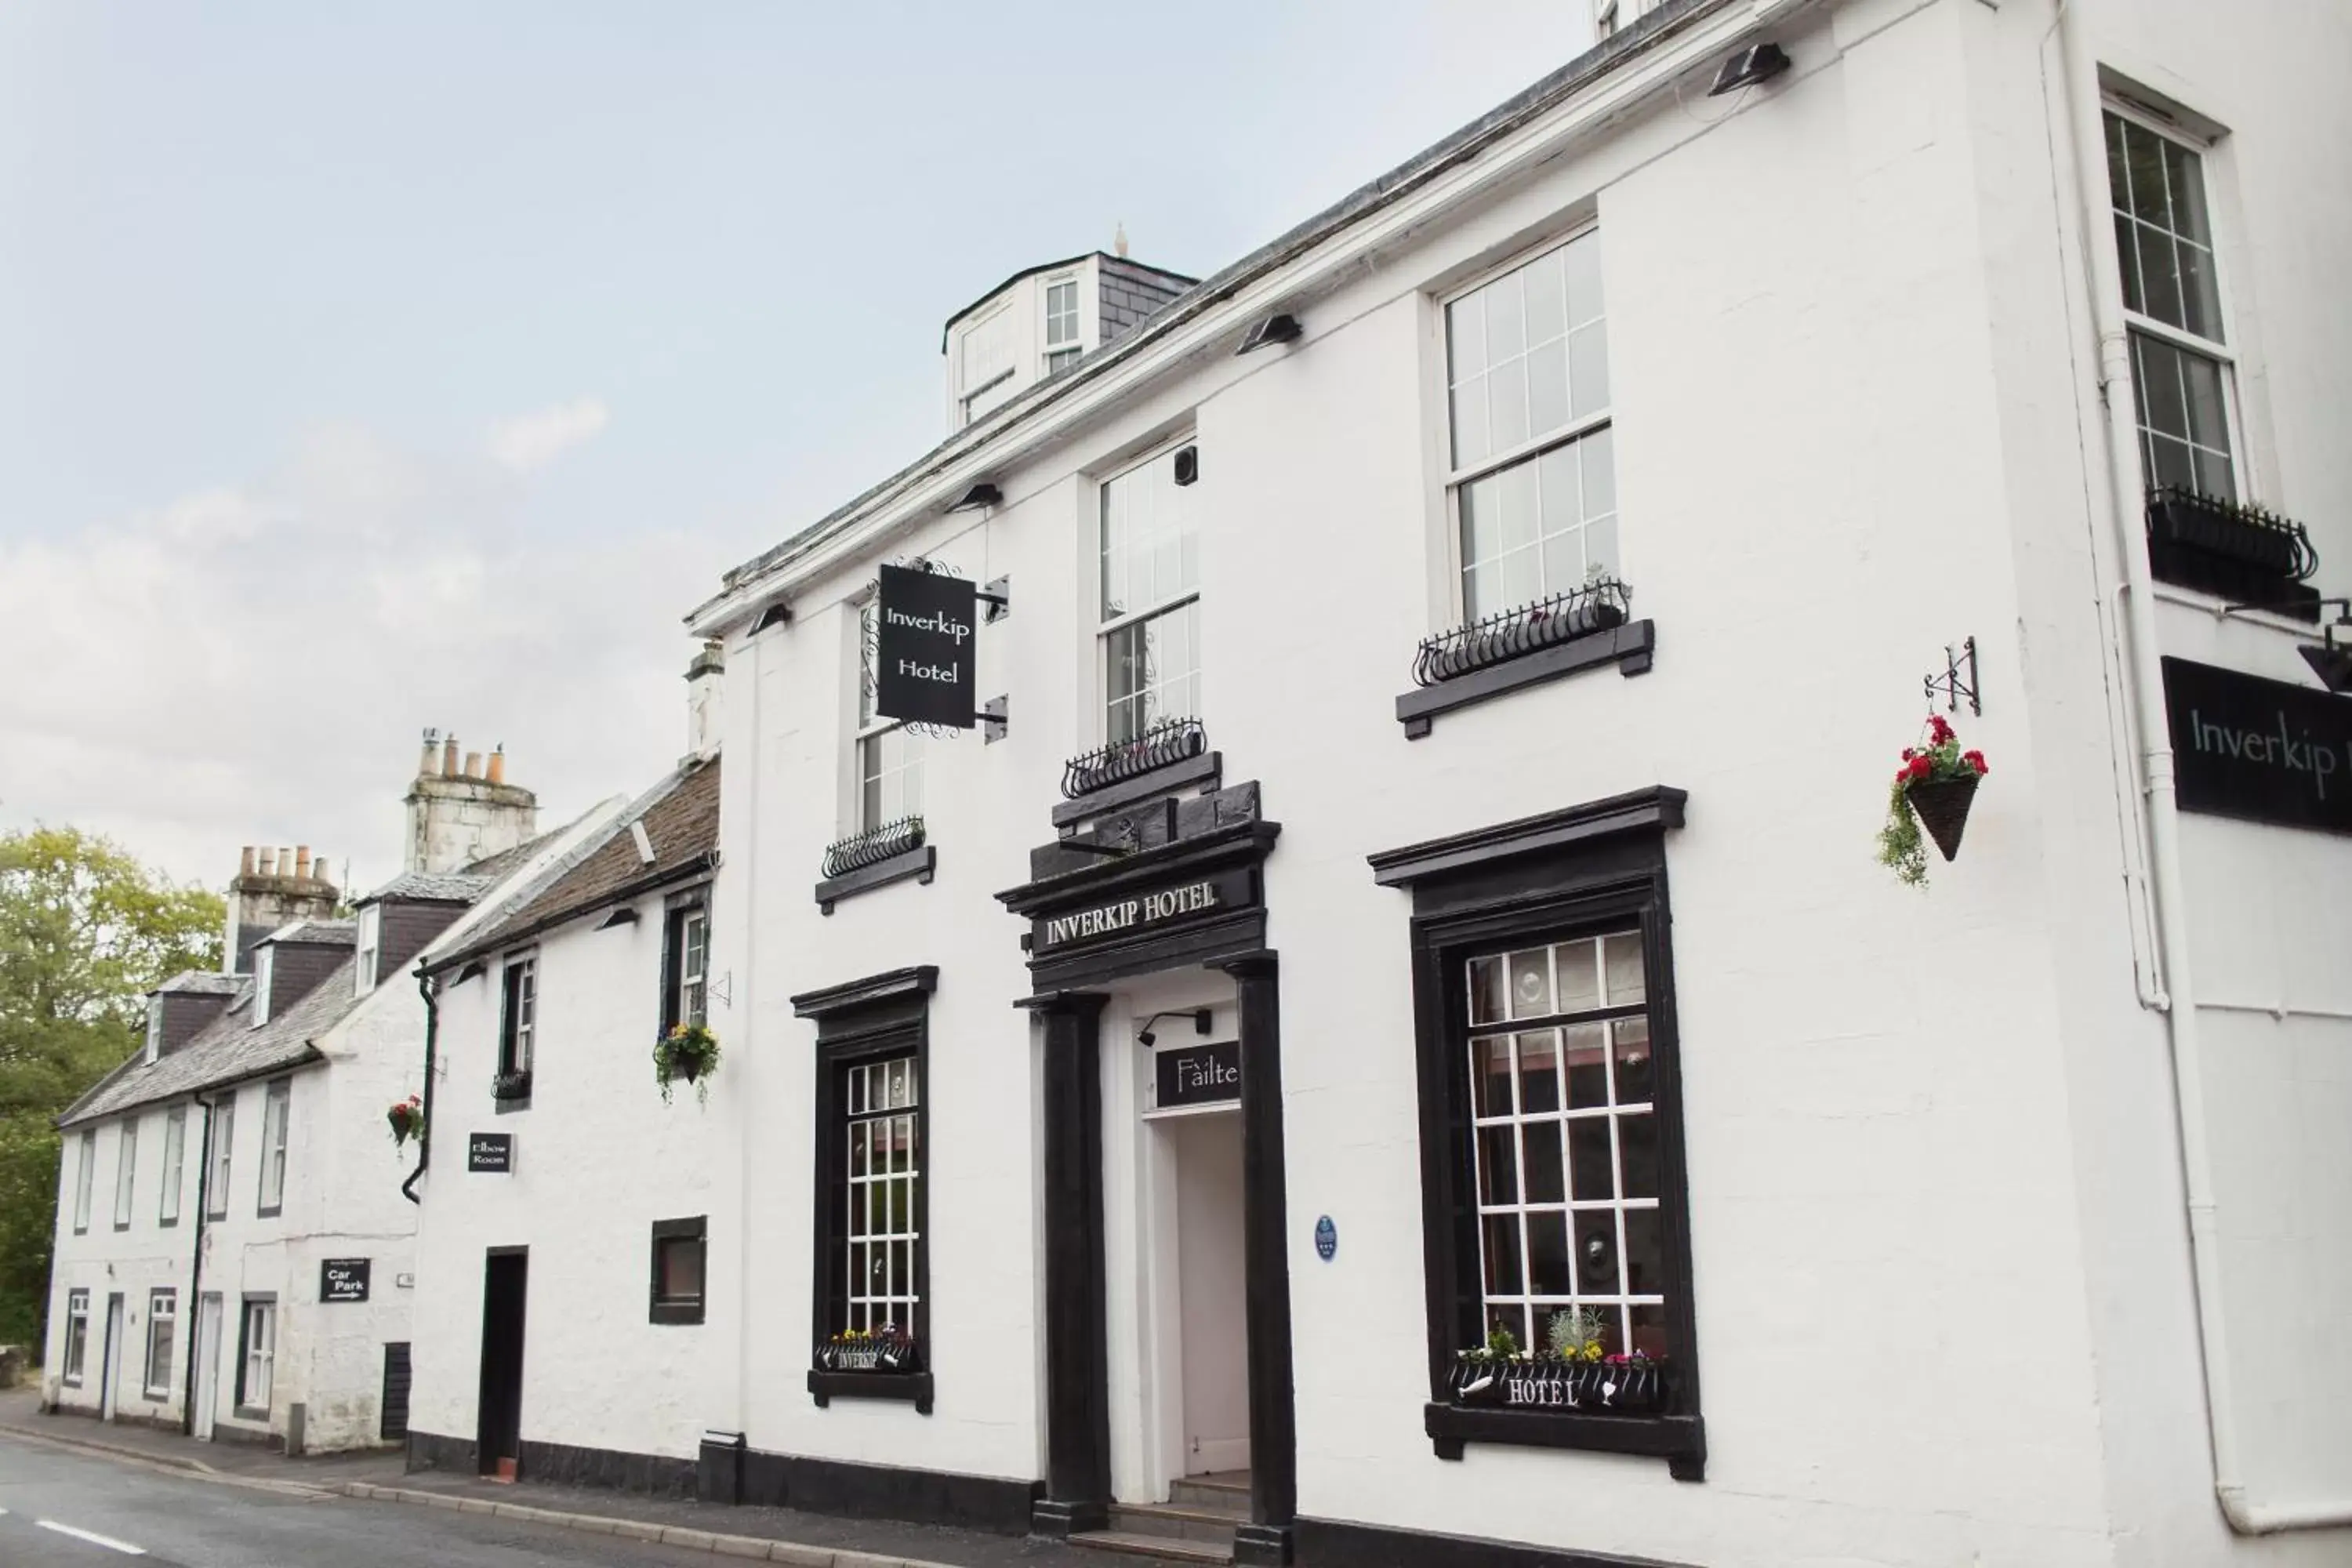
x=668, y=1235
x=517, y=1031
x=677, y=910
x=864, y=1022
x=894, y=852
x=1579, y=871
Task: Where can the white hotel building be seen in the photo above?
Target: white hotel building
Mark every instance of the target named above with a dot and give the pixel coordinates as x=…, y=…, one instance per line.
x=1191, y=1099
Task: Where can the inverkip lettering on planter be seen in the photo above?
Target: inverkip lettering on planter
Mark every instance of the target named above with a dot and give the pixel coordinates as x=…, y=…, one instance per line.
x=2264, y=750
x=1140, y=910
x=926, y=659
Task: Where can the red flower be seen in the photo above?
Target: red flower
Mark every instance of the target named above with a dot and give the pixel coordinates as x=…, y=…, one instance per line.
x=1975, y=760
x=1920, y=768
x=1939, y=728
x=1909, y=753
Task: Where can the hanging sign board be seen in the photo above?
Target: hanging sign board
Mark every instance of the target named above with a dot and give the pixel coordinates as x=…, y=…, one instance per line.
x=1208, y=1073
x=490, y=1152
x=2262, y=751
x=1131, y=912
x=344, y=1279
x=925, y=659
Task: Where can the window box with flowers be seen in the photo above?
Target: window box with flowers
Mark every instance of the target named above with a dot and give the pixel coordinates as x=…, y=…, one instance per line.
x=883, y=1363
x=1933, y=789
x=1574, y=1370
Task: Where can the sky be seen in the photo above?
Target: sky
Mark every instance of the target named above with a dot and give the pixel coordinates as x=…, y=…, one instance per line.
x=364, y=370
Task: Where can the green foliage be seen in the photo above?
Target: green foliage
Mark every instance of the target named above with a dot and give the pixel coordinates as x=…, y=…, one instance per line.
x=1937, y=760
x=1902, y=848
x=689, y=1050
x=85, y=930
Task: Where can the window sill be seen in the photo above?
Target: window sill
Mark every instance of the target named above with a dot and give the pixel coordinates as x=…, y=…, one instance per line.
x=156, y=1396
x=1629, y=648
x=675, y=1312
x=171, y=1224
x=250, y=1413
x=269, y=1213
x=1680, y=1440
x=908, y=1388
x=121, y=1225
x=920, y=864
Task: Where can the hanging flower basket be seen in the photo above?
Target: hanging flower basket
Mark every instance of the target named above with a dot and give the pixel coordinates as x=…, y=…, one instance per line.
x=1933, y=789
x=407, y=1120
x=688, y=1051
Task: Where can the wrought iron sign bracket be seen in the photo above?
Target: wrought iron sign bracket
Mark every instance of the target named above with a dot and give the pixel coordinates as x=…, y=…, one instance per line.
x=1959, y=681
x=998, y=596
x=994, y=722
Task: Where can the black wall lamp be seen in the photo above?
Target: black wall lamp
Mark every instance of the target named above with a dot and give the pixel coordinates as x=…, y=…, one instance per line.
x=1756, y=63
x=776, y=615
x=1275, y=329
x=1201, y=1025
x=2332, y=660
x=980, y=495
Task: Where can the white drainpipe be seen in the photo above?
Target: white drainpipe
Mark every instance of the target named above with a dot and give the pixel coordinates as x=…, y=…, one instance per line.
x=2083, y=101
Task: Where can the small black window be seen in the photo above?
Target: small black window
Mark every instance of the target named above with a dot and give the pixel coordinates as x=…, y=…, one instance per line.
x=517, y=1029
x=685, y=966
x=677, y=1269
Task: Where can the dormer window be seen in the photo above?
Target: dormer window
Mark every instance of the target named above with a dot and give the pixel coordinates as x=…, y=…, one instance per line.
x=262, y=962
x=1062, y=345
x=370, y=945
x=984, y=364
x=154, y=1029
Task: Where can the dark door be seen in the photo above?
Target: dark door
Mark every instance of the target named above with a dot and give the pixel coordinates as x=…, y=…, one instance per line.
x=499, y=1440
x=394, y=1424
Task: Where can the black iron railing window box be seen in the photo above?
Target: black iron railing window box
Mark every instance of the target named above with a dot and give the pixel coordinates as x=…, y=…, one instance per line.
x=1680, y=1440
x=894, y=852
x=511, y=1089
x=1165, y=744
x=1543, y=1385
x=877, y=1369
x=2243, y=553
x=1535, y=643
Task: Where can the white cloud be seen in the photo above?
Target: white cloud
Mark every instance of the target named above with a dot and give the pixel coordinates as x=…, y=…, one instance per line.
x=252, y=664
x=531, y=441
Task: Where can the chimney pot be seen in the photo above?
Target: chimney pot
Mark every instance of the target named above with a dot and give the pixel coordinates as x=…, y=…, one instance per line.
x=285, y=859
x=432, y=750
x=449, y=756
x=473, y=765
x=268, y=865
x=499, y=766
x=245, y=862
x=301, y=860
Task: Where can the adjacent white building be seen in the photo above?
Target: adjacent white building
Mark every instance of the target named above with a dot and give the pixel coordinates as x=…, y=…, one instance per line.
x=1439, y=683
x=233, y=1252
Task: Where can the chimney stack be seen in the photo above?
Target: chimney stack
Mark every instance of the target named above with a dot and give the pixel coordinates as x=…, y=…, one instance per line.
x=272, y=887
x=705, y=701
x=463, y=811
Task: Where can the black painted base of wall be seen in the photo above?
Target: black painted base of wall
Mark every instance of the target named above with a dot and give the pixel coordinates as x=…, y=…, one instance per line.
x=886, y=1491
x=646, y=1475
x=1328, y=1543
x=149, y=1417
x=431, y=1451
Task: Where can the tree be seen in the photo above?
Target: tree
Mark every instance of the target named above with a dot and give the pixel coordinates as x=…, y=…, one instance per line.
x=85, y=930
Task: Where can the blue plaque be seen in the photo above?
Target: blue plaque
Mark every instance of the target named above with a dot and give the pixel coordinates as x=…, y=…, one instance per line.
x=1327, y=1239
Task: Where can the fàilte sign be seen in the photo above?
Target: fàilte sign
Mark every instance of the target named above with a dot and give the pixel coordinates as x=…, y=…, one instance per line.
x=925, y=658
x=2263, y=751
x=1209, y=1073
x=1130, y=912
x=491, y=1151
x=344, y=1279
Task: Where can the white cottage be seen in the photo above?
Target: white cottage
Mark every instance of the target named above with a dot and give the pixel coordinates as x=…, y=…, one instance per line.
x=1405, y=919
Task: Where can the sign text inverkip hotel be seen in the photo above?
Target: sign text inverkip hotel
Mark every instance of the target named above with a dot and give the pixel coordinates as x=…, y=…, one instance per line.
x=1145, y=909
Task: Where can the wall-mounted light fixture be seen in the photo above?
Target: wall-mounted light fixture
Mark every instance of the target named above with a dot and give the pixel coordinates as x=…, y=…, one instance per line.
x=1756, y=63
x=1201, y=1025
x=980, y=495
x=621, y=915
x=776, y=615
x=1275, y=329
x=2332, y=660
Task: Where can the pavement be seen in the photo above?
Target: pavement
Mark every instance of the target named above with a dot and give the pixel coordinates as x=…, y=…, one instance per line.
x=74, y=1493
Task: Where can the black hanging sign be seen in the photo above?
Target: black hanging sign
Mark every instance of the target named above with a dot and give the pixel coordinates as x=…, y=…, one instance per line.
x=1209, y=1073
x=2263, y=751
x=344, y=1279
x=491, y=1151
x=1129, y=913
x=925, y=659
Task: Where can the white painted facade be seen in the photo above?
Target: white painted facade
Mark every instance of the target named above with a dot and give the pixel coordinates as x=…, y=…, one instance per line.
x=1942, y=1274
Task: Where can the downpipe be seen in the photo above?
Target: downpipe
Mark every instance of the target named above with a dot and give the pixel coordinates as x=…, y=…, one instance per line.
x=196, y=1270
x=2088, y=133
x=432, y=1034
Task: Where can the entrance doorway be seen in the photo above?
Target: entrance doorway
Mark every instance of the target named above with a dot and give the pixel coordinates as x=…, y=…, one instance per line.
x=207, y=1363
x=498, y=1434
x=109, y=1375
x=1213, y=1292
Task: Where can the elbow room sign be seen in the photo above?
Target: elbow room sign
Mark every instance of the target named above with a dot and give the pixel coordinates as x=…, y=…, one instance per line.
x=925, y=659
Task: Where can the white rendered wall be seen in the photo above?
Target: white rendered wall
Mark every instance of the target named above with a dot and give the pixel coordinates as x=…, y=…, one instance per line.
x=148, y=1256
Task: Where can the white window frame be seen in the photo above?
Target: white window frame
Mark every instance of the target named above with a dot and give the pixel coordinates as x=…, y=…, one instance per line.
x=260, y=1373
x=1108, y=626
x=154, y=1029
x=163, y=1330
x=276, y=1113
x=871, y=737
x=694, y=966
x=2222, y=352
x=220, y=1158
x=77, y=1347
x=175, y=1157
x=264, y=961
x=519, y=1014
x=1060, y=351
x=126, y=1170
x=368, y=936
x=1458, y=476
x=869, y=1113
x=87, y=1159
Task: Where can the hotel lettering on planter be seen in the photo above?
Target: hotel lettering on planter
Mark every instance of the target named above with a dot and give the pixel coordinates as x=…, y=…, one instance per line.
x=1419, y=705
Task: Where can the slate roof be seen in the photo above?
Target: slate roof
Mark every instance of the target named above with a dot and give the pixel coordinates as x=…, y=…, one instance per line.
x=326, y=934
x=227, y=1050
x=494, y=866
x=1461, y=147
x=681, y=820
x=435, y=887
x=203, y=982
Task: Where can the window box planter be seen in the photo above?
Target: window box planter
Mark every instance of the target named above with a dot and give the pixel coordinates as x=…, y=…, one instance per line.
x=893, y=852
x=884, y=1365
x=508, y=1087
x=1529, y=646
x=1635, y=1386
x=1161, y=745
x=688, y=1051
x=2242, y=553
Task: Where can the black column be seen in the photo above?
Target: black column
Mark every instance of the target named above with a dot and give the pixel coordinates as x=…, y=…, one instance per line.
x=1077, y=1354
x=1265, y=1236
